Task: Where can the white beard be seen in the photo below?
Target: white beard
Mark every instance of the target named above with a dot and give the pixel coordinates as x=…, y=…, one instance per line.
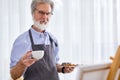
x=40, y=26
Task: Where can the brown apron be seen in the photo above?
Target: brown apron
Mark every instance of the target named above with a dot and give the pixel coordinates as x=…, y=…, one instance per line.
x=45, y=68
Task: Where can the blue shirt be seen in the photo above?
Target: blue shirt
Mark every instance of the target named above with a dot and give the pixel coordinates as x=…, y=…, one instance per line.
x=23, y=44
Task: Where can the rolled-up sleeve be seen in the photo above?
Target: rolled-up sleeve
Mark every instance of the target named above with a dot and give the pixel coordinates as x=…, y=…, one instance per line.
x=20, y=47
x=56, y=54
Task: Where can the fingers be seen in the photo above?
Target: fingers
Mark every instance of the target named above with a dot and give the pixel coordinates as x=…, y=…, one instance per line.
x=27, y=60
x=27, y=55
x=68, y=69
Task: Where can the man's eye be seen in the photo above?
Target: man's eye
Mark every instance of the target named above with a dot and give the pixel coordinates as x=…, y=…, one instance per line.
x=41, y=12
x=45, y=13
x=48, y=13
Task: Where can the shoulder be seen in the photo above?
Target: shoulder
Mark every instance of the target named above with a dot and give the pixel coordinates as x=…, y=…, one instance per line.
x=23, y=38
x=54, y=39
x=19, y=48
x=52, y=36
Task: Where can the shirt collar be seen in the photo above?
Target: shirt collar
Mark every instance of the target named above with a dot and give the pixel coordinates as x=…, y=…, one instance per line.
x=39, y=34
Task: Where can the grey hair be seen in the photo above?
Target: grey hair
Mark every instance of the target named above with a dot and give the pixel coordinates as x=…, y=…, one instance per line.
x=35, y=2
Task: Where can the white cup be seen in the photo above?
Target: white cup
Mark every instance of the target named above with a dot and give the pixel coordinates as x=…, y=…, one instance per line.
x=38, y=54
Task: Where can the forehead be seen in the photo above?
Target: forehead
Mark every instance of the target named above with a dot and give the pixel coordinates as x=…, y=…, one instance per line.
x=44, y=7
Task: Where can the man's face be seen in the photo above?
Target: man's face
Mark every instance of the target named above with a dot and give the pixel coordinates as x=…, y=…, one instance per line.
x=42, y=13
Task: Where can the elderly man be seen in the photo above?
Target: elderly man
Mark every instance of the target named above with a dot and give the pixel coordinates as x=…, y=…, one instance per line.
x=37, y=38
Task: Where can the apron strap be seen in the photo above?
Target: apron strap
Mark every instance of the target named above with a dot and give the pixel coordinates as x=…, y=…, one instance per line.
x=30, y=34
x=51, y=40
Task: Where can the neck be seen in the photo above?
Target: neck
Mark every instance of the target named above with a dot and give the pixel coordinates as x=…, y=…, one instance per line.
x=37, y=29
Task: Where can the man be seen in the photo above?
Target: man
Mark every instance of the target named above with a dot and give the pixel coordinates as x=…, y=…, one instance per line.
x=37, y=38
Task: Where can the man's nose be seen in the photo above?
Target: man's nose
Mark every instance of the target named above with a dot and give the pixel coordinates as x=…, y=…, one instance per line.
x=45, y=15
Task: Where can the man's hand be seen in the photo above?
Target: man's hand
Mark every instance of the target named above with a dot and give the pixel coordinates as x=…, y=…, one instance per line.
x=68, y=69
x=26, y=60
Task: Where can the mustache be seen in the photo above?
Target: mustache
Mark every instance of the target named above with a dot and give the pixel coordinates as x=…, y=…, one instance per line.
x=42, y=21
x=45, y=22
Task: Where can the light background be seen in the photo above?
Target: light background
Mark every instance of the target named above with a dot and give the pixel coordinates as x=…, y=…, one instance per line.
x=88, y=31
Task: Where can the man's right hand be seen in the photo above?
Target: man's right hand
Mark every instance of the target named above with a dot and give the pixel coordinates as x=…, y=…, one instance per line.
x=26, y=60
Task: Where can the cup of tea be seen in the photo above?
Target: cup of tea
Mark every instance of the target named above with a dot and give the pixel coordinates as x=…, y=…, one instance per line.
x=38, y=54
